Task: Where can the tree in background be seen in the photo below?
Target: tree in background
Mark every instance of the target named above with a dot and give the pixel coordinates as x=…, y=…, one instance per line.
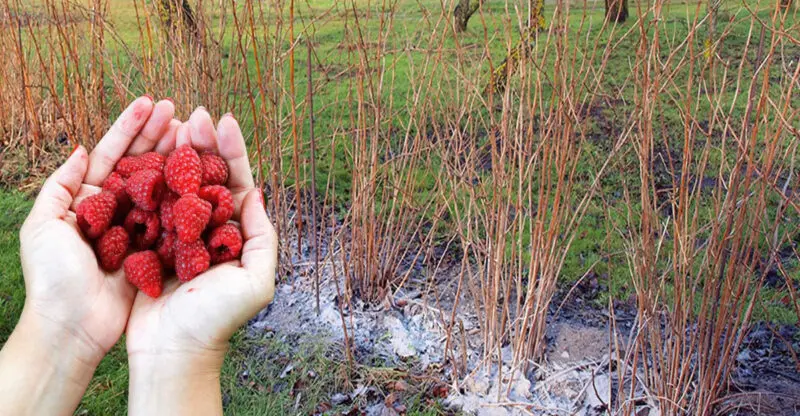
x=498, y=78
x=712, y=9
x=177, y=15
x=617, y=10
x=464, y=10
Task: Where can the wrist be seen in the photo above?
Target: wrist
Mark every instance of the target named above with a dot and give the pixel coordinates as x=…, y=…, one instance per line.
x=175, y=381
x=164, y=364
x=49, y=366
x=63, y=344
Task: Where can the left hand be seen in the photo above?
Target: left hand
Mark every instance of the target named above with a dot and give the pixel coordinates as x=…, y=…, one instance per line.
x=66, y=289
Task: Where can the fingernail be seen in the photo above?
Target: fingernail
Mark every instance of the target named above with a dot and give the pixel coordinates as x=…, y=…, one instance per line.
x=73, y=150
x=170, y=100
x=227, y=115
x=200, y=107
x=150, y=97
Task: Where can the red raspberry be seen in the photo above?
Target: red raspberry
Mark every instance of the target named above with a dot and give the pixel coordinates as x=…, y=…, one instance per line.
x=115, y=184
x=142, y=227
x=190, y=216
x=143, y=270
x=146, y=188
x=165, y=211
x=129, y=165
x=183, y=170
x=95, y=213
x=215, y=170
x=221, y=201
x=111, y=248
x=225, y=243
x=166, y=248
x=191, y=259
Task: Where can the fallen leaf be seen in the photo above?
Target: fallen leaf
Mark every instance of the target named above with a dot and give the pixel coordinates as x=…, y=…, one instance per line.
x=390, y=399
x=440, y=391
x=399, y=385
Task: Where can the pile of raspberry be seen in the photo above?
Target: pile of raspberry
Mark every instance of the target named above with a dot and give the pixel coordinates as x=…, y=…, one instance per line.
x=156, y=214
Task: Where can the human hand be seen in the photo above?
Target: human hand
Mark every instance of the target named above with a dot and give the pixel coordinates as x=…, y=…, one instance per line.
x=74, y=311
x=64, y=284
x=177, y=342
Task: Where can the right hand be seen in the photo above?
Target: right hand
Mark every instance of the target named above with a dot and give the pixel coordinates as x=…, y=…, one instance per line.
x=191, y=323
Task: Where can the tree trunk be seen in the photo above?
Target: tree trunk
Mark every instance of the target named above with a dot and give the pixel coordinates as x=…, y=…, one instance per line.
x=617, y=10
x=712, y=10
x=463, y=11
x=499, y=77
x=177, y=15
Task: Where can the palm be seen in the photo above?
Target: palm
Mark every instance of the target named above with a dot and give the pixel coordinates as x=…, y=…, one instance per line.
x=199, y=314
x=204, y=313
x=68, y=287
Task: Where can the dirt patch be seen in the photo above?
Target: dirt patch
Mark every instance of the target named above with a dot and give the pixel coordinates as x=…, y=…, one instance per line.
x=574, y=342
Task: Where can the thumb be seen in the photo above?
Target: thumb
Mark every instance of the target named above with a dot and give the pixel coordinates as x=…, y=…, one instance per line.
x=60, y=188
x=260, y=250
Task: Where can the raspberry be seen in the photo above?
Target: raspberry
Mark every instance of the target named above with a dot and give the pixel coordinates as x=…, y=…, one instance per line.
x=190, y=216
x=111, y=248
x=142, y=227
x=115, y=184
x=225, y=243
x=221, y=201
x=166, y=249
x=95, y=213
x=191, y=259
x=143, y=270
x=215, y=170
x=165, y=211
x=146, y=188
x=129, y=165
x=183, y=170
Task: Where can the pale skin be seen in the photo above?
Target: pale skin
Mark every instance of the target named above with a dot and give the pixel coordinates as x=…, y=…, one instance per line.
x=75, y=312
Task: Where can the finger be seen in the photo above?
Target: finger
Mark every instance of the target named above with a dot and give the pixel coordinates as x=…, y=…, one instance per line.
x=115, y=143
x=84, y=192
x=232, y=148
x=201, y=130
x=61, y=187
x=167, y=142
x=155, y=127
x=260, y=250
x=182, y=135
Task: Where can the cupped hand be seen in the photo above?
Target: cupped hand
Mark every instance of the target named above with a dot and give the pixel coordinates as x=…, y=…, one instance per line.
x=196, y=319
x=65, y=287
